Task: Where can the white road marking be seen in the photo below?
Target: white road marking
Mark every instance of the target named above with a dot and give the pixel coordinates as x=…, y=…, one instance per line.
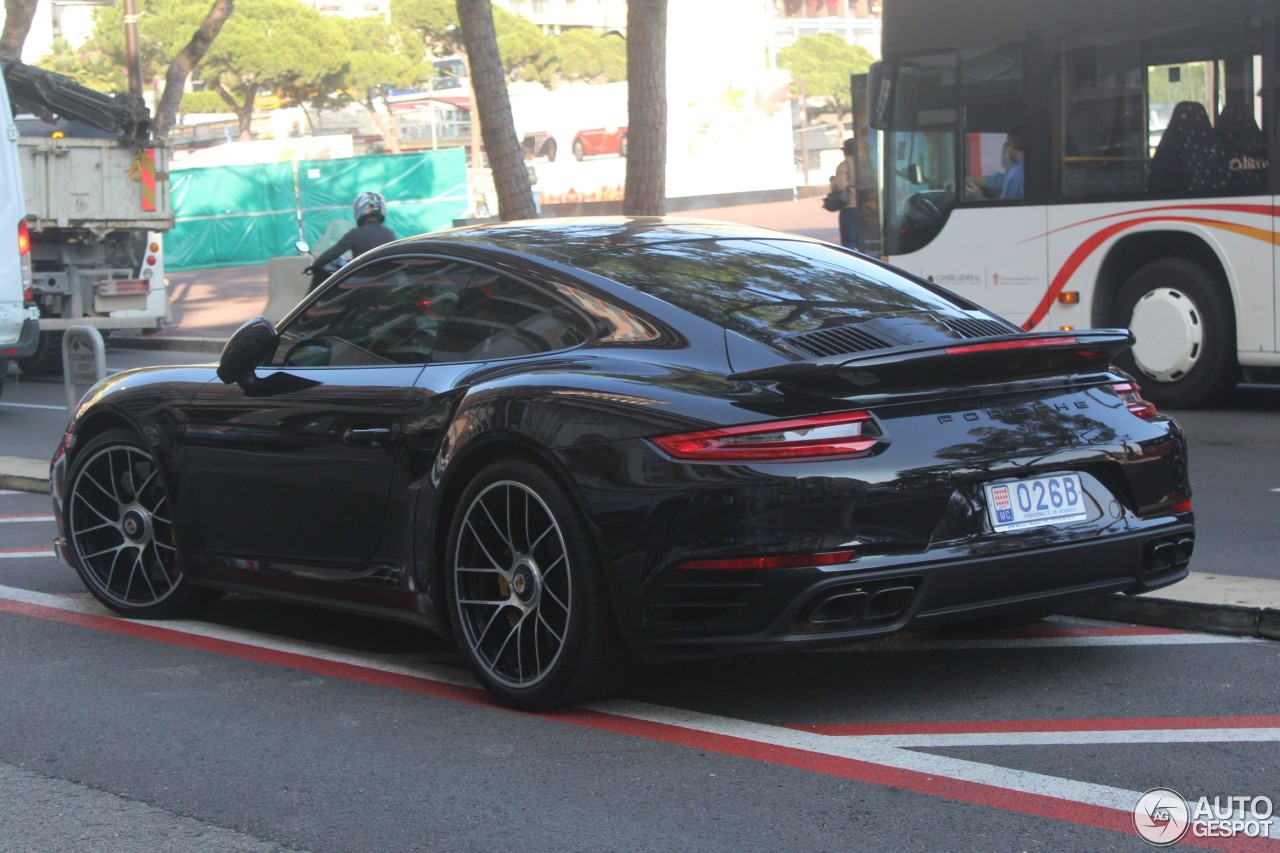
x=34, y=406
x=19, y=519
x=17, y=553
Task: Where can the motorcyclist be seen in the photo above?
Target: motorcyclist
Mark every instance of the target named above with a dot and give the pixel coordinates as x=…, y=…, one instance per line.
x=370, y=211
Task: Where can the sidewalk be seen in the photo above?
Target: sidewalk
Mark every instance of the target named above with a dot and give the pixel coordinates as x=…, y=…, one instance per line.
x=208, y=305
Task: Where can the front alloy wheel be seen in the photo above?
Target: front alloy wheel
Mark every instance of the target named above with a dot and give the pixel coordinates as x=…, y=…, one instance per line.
x=120, y=529
x=528, y=602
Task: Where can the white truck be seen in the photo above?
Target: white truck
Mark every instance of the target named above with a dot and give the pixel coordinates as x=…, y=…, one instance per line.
x=96, y=191
x=19, y=319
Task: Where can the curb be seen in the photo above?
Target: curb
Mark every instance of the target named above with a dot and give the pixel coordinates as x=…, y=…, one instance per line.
x=1212, y=618
x=21, y=483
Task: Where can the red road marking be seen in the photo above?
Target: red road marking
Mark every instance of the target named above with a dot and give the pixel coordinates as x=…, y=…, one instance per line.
x=975, y=793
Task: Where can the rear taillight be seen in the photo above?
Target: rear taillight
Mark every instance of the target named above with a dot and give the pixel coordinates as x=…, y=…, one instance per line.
x=790, y=561
x=1020, y=343
x=1131, y=395
x=840, y=434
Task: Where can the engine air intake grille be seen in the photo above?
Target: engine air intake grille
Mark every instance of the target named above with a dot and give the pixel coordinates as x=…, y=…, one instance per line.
x=836, y=341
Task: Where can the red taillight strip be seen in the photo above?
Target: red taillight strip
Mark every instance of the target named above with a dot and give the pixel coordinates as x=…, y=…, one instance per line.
x=1021, y=343
x=789, y=562
x=750, y=442
x=24, y=238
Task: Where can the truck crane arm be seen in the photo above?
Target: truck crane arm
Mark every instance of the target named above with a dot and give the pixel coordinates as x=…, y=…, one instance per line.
x=52, y=96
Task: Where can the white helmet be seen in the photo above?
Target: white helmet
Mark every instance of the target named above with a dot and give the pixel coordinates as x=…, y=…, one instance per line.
x=369, y=204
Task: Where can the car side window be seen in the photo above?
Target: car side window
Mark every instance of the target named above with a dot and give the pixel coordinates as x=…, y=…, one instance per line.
x=499, y=317
x=388, y=312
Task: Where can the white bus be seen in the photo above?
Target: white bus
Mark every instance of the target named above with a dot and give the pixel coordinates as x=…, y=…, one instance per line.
x=1148, y=193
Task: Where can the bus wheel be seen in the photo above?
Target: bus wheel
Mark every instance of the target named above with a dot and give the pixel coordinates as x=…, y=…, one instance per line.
x=1185, y=334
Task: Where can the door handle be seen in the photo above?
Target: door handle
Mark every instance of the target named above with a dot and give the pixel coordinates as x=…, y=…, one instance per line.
x=372, y=436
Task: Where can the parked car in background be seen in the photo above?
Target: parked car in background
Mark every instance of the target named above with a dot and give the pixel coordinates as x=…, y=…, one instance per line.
x=540, y=144
x=560, y=442
x=588, y=143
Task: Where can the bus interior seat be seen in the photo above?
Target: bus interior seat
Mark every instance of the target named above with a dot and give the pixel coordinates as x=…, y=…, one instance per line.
x=1244, y=148
x=1188, y=159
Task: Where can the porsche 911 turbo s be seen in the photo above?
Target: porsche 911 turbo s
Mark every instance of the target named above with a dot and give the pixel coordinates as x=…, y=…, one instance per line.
x=567, y=443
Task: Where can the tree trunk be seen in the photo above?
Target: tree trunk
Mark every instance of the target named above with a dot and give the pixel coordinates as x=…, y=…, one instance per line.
x=646, y=189
x=18, y=15
x=244, y=112
x=184, y=63
x=493, y=106
x=385, y=120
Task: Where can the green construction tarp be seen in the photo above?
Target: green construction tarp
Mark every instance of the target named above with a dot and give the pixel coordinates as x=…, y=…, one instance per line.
x=232, y=215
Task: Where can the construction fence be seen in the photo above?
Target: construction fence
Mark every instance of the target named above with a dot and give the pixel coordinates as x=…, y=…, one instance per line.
x=233, y=215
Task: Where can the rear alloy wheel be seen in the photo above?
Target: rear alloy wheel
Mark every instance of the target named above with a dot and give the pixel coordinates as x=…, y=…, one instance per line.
x=1184, y=330
x=120, y=530
x=527, y=592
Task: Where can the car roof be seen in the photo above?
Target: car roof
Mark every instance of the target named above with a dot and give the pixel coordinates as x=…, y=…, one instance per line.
x=564, y=239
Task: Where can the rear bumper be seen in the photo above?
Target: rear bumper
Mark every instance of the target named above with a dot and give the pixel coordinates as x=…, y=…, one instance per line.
x=27, y=340
x=878, y=597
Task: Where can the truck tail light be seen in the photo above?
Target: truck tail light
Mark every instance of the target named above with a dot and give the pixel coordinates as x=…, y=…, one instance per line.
x=123, y=287
x=839, y=434
x=24, y=257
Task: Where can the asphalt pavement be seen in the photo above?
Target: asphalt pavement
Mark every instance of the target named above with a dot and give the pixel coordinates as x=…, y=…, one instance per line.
x=208, y=305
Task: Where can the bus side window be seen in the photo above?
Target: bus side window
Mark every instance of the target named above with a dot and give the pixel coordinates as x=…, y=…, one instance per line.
x=1103, y=123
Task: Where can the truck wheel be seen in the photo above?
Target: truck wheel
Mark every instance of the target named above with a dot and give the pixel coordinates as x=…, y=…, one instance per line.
x=1184, y=328
x=47, y=359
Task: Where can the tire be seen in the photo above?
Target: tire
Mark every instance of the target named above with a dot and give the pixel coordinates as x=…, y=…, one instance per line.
x=1184, y=325
x=120, y=533
x=526, y=589
x=579, y=150
x=47, y=359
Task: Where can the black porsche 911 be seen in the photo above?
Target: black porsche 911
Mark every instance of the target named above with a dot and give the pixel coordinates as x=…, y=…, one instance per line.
x=564, y=443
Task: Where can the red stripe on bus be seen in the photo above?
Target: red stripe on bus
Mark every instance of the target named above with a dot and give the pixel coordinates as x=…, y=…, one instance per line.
x=1087, y=248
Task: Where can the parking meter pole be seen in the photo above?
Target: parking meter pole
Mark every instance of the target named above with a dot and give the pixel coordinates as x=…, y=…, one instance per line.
x=84, y=361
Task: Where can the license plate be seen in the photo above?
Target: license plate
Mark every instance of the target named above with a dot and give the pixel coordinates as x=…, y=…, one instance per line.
x=1035, y=502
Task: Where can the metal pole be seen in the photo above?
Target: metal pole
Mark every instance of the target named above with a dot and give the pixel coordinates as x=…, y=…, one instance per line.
x=133, y=59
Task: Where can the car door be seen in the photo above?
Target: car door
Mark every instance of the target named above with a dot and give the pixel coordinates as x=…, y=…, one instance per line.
x=297, y=469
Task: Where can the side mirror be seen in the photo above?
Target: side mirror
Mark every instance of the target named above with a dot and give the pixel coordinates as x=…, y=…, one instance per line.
x=882, y=81
x=250, y=347
x=914, y=174
x=303, y=247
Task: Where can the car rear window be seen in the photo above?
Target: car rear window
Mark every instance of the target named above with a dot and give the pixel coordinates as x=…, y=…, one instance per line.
x=767, y=288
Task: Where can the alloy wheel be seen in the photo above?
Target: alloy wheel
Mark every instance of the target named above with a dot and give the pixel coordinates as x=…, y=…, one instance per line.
x=513, y=584
x=120, y=529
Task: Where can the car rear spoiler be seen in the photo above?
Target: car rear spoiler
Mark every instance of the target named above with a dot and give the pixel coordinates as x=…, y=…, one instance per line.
x=961, y=361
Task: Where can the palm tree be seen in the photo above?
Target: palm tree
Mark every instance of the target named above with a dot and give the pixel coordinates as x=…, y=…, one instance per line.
x=492, y=108
x=646, y=190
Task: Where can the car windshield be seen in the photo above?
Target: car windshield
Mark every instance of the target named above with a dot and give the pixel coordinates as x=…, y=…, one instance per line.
x=766, y=288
